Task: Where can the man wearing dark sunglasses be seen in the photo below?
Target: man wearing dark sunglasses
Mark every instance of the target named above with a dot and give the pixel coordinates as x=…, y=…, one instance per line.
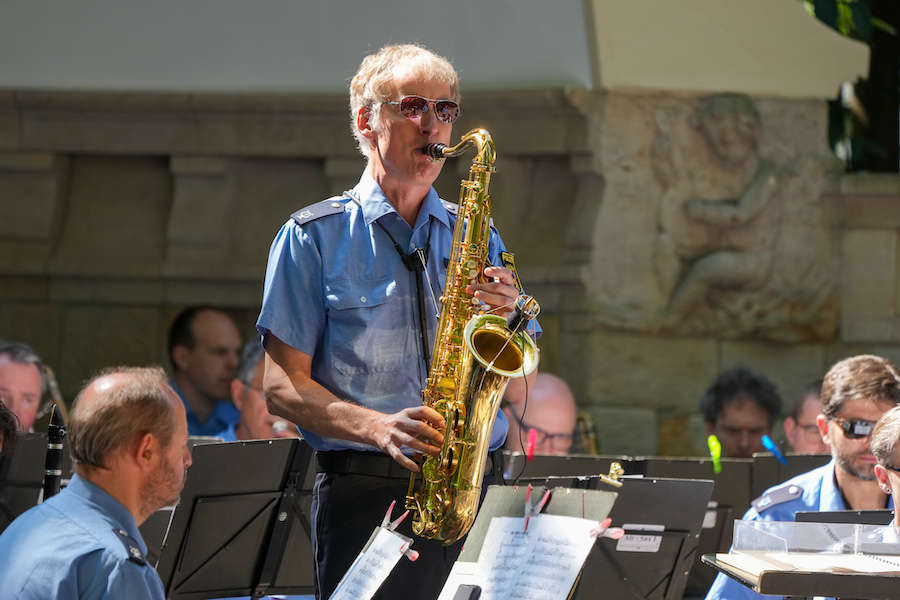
x=349, y=315
x=856, y=392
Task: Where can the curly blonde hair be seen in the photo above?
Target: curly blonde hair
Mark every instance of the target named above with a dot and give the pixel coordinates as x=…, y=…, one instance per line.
x=374, y=81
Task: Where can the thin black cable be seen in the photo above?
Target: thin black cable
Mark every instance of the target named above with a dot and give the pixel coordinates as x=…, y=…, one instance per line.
x=522, y=420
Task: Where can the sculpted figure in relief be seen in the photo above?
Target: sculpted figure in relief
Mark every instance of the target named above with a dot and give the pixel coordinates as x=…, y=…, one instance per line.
x=718, y=216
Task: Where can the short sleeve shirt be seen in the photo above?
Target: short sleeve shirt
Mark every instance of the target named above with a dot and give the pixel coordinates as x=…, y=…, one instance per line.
x=80, y=544
x=337, y=290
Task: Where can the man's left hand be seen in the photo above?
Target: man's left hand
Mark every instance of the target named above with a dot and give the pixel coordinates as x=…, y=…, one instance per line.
x=499, y=292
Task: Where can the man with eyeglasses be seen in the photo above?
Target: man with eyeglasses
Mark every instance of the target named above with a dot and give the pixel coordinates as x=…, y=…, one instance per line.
x=550, y=412
x=256, y=422
x=349, y=315
x=800, y=427
x=856, y=392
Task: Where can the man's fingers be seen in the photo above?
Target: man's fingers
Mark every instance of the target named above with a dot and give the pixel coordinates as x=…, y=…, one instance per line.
x=403, y=460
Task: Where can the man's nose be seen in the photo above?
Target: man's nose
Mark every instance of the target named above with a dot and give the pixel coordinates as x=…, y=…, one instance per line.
x=428, y=121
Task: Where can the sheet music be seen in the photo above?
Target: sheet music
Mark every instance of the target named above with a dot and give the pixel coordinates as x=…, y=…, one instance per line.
x=540, y=564
x=372, y=566
x=758, y=562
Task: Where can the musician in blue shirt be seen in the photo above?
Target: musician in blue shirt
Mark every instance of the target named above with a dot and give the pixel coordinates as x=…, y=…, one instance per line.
x=128, y=438
x=856, y=392
x=342, y=320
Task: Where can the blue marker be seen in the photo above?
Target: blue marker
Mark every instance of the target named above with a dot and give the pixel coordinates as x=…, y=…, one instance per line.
x=773, y=448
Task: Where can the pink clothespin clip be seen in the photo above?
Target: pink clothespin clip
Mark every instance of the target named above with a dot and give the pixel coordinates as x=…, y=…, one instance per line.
x=392, y=525
x=605, y=530
x=532, y=442
x=533, y=510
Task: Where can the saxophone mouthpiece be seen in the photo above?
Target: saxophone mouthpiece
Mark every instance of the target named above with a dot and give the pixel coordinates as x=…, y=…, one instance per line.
x=434, y=151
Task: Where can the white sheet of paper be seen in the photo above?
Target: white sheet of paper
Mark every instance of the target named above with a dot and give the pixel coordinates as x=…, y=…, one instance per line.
x=461, y=573
x=540, y=564
x=371, y=567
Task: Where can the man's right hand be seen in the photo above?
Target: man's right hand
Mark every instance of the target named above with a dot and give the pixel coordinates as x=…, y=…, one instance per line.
x=418, y=428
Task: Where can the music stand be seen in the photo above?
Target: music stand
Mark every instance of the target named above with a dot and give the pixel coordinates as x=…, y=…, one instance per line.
x=731, y=495
x=653, y=561
x=768, y=470
x=543, y=465
x=21, y=476
x=242, y=526
x=863, y=517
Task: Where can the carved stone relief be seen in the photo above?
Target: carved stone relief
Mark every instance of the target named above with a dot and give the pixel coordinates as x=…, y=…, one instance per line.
x=740, y=243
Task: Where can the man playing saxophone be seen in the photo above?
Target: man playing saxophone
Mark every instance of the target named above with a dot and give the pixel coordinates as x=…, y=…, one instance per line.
x=350, y=305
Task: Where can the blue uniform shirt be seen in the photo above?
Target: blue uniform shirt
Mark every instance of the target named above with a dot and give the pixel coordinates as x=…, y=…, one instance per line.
x=228, y=434
x=80, y=544
x=818, y=491
x=337, y=290
x=224, y=415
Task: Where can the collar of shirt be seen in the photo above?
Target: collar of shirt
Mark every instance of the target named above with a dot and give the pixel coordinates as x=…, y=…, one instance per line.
x=832, y=497
x=109, y=506
x=375, y=204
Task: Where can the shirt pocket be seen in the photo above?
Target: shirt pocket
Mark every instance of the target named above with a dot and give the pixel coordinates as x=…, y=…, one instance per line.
x=369, y=326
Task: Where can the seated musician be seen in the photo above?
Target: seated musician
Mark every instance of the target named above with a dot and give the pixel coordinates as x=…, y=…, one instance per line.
x=256, y=422
x=350, y=313
x=550, y=412
x=739, y=408
x=856, y=392
x=128, y=438
x=21, y=381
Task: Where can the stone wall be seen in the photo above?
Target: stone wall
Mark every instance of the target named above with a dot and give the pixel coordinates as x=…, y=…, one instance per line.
x=116, y=210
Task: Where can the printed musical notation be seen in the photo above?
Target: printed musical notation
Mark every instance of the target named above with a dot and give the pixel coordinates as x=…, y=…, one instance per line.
x=541, y=563
x=372, y=566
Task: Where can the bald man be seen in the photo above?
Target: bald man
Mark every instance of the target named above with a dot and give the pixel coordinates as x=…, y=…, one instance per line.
x=128, y=438
x=550, y=411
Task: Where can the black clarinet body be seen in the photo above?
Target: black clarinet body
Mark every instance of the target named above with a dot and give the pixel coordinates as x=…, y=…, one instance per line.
x=56, y=433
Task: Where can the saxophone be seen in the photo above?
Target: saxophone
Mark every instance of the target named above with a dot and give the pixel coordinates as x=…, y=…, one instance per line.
x=475, y=354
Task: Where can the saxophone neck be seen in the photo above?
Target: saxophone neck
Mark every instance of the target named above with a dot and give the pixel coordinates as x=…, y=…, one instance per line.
x=480, y=139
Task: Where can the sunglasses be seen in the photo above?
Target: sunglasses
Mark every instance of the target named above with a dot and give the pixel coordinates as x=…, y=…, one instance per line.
x=854, y=429
x=446, y=111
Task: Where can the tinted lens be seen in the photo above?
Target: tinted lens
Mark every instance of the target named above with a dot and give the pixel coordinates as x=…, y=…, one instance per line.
x=446, y=110
x=855, y=430
x=413, y=106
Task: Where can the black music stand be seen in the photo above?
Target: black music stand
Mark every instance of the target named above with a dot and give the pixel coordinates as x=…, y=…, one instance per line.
x=543, y=465
x=863, y=517
x=731, y=496
x=21, y=476
x=769, y=471
x=659, y=571
x=242, y=526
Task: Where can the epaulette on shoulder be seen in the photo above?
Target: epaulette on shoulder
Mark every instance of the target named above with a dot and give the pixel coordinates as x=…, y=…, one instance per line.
x=779, y=495
x=131, y=547
x=331, y=206
x=453, y=209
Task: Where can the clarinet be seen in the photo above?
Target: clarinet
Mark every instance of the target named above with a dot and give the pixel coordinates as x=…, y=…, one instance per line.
x=56, y=433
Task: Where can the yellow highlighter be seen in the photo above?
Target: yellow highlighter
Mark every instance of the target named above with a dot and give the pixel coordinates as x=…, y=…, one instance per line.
x=715, y=451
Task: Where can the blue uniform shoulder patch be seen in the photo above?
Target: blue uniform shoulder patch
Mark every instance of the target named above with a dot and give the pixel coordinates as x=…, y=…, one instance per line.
x=777, y=496
x=331, y=206
x=132, y=548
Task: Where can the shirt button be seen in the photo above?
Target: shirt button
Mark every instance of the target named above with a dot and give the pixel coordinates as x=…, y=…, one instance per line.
x=336, y=204
x=362, y=299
